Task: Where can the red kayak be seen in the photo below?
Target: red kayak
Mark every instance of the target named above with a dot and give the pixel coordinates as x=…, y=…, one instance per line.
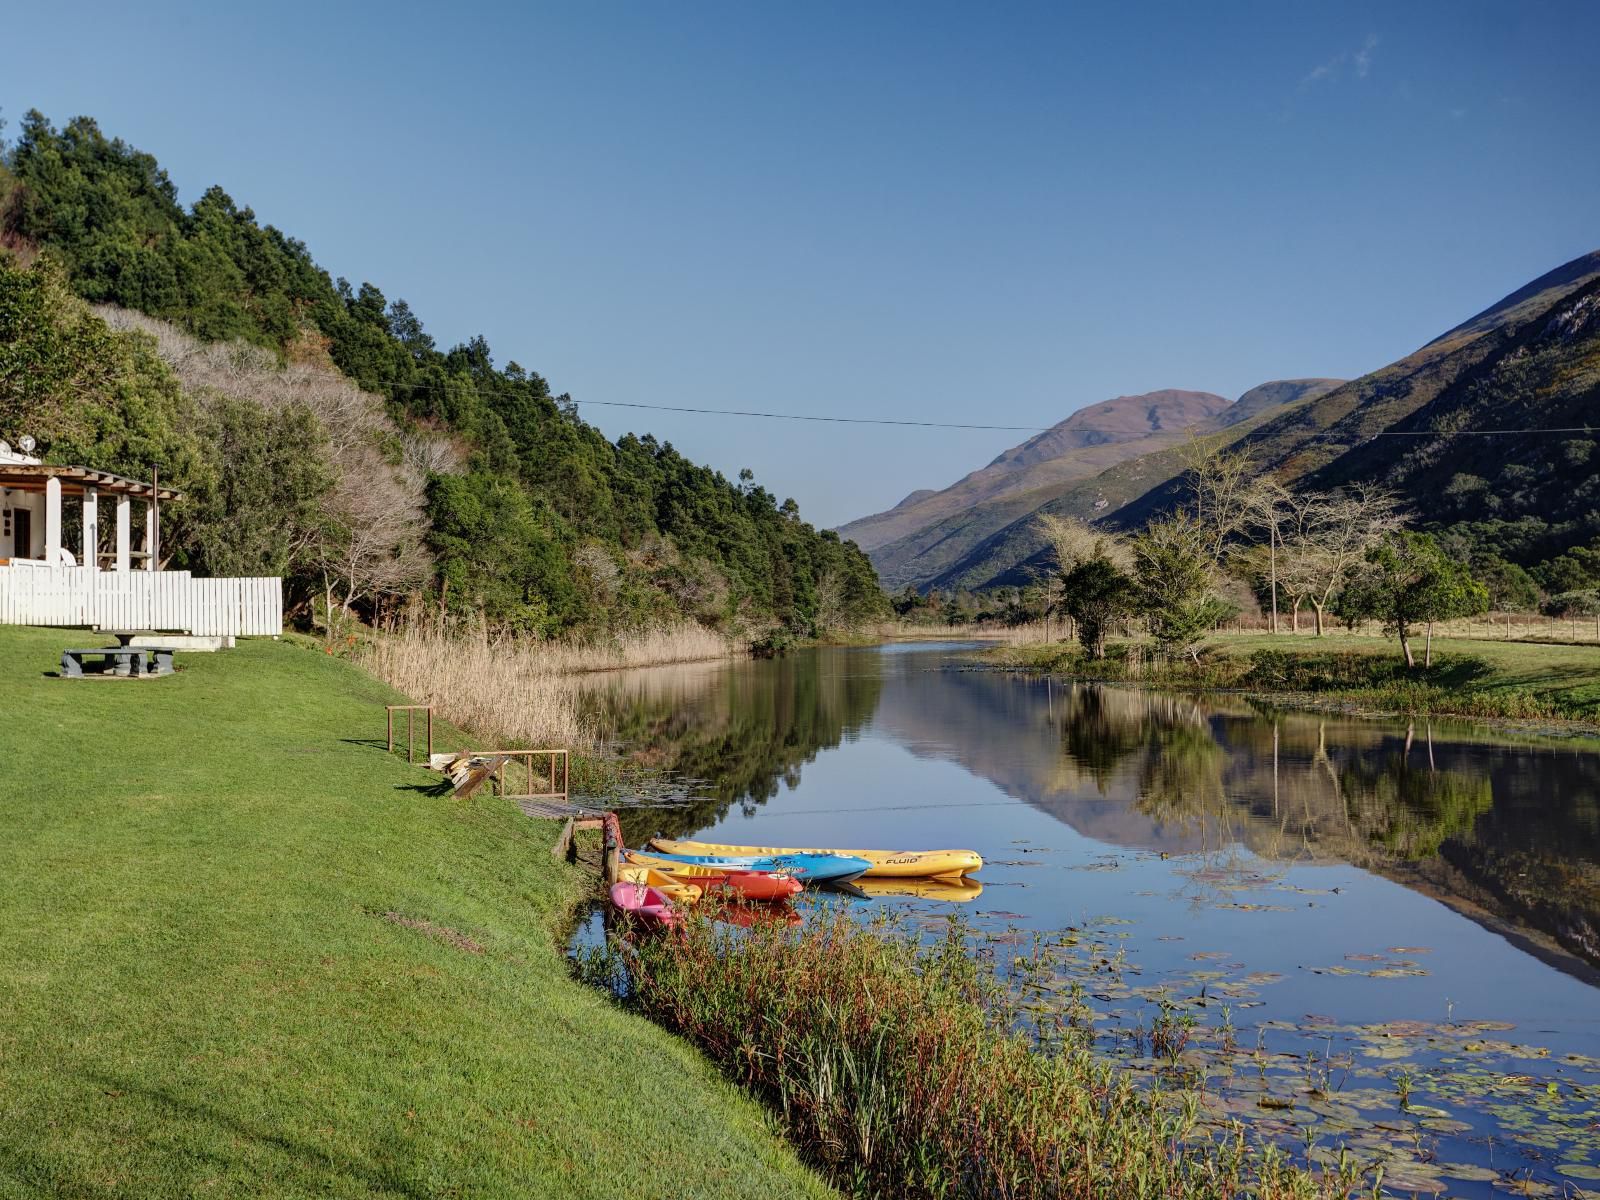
x=649, y=905
x=753, y=885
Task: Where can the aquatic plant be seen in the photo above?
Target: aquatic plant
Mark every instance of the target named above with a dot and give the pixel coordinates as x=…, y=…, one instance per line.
x=895, y=1065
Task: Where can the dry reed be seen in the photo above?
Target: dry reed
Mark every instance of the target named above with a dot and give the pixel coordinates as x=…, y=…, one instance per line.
x=520, y=692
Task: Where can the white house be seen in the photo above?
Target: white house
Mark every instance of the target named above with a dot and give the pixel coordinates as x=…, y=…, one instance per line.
x=105, y=582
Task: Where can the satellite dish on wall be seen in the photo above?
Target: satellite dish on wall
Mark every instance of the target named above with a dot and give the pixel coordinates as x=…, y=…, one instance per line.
x=27, y=443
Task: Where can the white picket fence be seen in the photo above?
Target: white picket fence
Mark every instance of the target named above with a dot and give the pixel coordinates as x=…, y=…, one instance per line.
x=34, y=594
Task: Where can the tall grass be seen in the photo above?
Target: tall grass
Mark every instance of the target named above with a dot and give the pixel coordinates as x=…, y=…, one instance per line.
x=519, y=691
x=902, y=631
x=894, y=1067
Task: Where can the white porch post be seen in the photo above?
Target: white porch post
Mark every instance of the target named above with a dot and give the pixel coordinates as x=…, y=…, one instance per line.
x=124, y=532
x=91, y=528
x=52, y=521
x=150, y=535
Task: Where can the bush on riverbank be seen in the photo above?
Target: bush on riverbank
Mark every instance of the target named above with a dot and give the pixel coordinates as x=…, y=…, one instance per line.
x=1513, y=682
x=894, y=1068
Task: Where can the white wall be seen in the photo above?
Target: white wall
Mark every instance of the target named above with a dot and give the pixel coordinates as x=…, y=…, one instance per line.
x=34, y=503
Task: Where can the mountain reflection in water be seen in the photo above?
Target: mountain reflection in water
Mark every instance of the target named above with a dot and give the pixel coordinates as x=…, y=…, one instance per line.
x=1505, y=831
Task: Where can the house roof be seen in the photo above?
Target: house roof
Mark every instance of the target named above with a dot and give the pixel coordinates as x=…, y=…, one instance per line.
x=31, y=477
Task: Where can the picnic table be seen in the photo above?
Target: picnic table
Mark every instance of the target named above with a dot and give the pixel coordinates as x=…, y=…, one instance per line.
x=123, y=662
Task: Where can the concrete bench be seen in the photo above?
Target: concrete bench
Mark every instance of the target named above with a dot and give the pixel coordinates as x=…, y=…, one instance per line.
x=119, y=661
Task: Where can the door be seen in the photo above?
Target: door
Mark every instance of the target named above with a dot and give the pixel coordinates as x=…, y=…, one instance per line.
x=21, y=533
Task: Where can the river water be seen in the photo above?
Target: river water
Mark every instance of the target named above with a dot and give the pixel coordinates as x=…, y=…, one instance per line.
x=1376, y=937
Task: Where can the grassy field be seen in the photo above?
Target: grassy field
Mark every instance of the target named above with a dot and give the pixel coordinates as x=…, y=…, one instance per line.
x=1470, y=677
x=242, y=953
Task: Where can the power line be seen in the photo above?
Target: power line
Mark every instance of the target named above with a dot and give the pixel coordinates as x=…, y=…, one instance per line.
x=777, y=416
x=735, y=412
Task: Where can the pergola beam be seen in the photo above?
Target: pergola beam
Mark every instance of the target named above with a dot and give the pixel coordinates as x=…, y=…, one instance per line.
x=76, y=481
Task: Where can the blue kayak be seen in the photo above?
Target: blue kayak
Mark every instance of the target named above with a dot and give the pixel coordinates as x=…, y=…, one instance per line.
x=807, y=868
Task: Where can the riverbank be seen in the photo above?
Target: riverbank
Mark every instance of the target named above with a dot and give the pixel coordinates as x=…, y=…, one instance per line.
x=896, y=1065
x=243, y=951
x=1548, y=685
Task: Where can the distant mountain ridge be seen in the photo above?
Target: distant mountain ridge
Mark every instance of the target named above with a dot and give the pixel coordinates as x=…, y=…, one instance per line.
x=1529, y=362
x=1052, y=456
x=931, y=535
x=1336, y=436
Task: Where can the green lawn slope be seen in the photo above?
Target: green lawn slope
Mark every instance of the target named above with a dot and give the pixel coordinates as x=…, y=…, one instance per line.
x=204, y=993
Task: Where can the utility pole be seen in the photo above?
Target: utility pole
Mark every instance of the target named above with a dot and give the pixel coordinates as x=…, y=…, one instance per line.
x=1272, y=529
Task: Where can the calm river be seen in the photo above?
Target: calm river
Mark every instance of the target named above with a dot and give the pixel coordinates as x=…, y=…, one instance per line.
x=1379, y=936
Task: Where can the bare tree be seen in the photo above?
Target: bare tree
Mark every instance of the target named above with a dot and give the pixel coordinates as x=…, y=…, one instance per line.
x=1267, y=504
x=1073, y=542
x=371, y=542
x=1326, y=536
x=831, y=608
x=1223, y=489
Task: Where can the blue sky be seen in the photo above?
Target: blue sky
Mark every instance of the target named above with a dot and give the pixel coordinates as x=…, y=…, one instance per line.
x=967, y=213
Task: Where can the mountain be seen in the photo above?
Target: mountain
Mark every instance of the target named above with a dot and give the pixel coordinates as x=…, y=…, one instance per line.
x=1278, y=394
x=1014, y=554
x=1054, y=456
x=933, y=540
x=1530, y=362
x=1527, y=362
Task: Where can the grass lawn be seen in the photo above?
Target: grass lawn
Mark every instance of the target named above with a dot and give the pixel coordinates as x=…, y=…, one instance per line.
x=1566, y=675
x=1472, y=677
x=202, y=993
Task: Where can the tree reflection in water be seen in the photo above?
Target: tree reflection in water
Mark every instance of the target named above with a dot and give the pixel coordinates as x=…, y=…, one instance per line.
x=1501, y=829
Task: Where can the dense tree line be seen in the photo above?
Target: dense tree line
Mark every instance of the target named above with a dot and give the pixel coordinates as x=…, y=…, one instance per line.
x=527, y=515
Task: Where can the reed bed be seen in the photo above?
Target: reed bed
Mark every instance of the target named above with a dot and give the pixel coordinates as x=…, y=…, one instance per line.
x=901, y=631
x=894, y=1066
x=516, y=691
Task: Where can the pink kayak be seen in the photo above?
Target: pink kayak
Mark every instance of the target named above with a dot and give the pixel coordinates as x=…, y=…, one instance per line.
x=650, y=905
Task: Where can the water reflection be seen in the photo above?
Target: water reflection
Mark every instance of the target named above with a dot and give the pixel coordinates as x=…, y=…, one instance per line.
x=736, y=730
x=1356, y=914
x=1506, y=832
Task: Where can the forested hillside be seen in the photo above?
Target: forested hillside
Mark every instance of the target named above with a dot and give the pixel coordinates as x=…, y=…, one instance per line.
x=319, y=432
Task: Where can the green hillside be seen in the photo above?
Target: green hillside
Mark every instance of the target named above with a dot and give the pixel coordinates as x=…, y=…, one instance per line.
x=514, y=508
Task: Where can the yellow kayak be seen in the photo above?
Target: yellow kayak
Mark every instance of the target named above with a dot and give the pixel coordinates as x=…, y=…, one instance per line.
x=951, y=890
x=674, y=889
x=886, y=864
